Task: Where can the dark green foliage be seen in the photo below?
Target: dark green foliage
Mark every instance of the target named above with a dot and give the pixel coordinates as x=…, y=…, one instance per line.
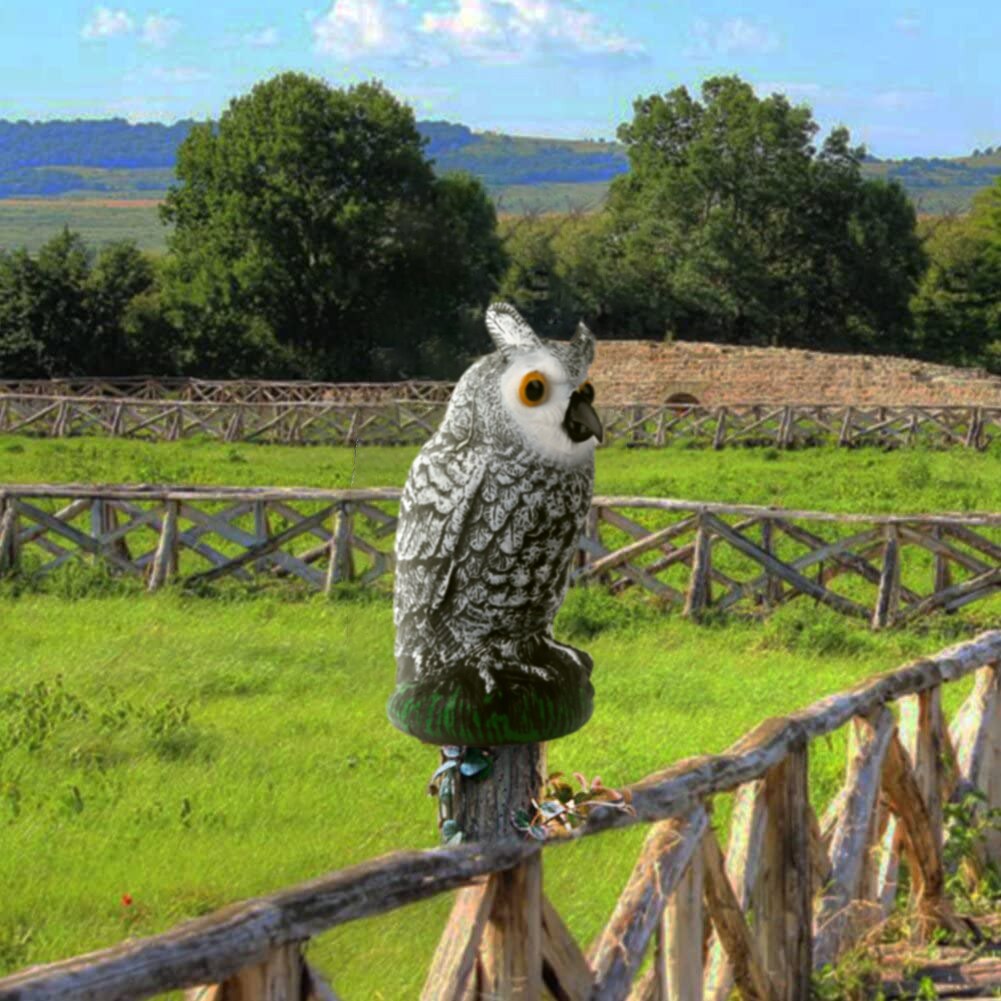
x=64, y=313
x=958, y=307
x=750, y=234
x=731, y=226
x=312, y=237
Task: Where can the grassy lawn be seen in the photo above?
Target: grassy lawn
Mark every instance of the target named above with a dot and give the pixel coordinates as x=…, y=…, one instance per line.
x=190, y=751
x=827, y=479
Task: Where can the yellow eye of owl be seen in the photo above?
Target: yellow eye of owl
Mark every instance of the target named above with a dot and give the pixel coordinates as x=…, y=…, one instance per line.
x=534, y=389
x=586, y=390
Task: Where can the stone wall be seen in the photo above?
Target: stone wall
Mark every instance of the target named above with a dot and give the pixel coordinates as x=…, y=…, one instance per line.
x=651, y=372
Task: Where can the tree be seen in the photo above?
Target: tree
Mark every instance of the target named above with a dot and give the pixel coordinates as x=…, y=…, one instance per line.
x=63, y=314
x=44, y=320
x=732, y=226
x=121, y=275
x=958, y=306
x=301, y=222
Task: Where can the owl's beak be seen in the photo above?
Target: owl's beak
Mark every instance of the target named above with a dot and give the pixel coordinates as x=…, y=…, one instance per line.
x=581, y=422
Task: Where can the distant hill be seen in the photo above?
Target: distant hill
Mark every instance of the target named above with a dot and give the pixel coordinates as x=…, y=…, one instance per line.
x=103, y=158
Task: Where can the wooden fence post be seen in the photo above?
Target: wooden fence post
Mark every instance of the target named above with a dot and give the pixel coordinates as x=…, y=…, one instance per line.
x=165, y=558
x=699, y=589
x=8, y=535
x=719, y=438
x=943, y=572
x=888, y=596
x=499, y=923
x=784, y=891
x=262, y=531
x=773, y=585
x=683, y=924
x=104, y=521
x=977, y=740
x=340, y=567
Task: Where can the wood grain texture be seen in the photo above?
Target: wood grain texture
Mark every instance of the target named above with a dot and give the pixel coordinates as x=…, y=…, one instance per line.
x=617, y=953
x=843, y=910
x=729, y=924
x=454, y=960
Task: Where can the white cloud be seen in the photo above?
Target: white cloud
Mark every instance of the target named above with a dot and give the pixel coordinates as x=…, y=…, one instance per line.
x=262, y=39
x=734, y=36
x=106, y=23
x=908, y=24
x=158, y=30
x=353, y=28
x=512, y=31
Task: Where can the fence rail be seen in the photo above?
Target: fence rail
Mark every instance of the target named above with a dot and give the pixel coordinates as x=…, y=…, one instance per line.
x=368, y=418
x=145, y=387
x=698, y=557
x=814, y=884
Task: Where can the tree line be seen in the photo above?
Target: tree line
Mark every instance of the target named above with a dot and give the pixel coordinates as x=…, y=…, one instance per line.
x=311, y=238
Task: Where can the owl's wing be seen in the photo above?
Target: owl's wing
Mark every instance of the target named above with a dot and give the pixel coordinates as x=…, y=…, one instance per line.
x=437, y=510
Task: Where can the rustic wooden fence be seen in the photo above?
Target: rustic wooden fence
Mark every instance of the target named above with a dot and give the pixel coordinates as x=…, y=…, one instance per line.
x=360, y=415
x=792, y=892
x=699, y=557
x=143, y=387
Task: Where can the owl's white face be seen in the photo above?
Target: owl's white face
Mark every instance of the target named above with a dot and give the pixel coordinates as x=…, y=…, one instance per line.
x=535, y=391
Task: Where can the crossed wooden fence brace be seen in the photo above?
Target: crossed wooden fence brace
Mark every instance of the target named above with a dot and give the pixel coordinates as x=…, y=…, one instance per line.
x=365, y=415
x=327, y=537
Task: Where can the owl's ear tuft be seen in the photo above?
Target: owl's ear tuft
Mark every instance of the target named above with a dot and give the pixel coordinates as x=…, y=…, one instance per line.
x=582, y=343
x=509, y=330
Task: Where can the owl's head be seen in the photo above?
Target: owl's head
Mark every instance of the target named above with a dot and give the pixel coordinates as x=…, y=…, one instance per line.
x=543, y=386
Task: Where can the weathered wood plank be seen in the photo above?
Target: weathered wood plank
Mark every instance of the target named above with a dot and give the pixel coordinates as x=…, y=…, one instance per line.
x=728, y=922
x=747, y=832
x=617, y=953
x=511, y=952
x=683, y=925
x=455, y=958
x=842, y=911
x=976, y=736
x=699, y=594
x=565, y=971
x=783, y=895
x=780, y=569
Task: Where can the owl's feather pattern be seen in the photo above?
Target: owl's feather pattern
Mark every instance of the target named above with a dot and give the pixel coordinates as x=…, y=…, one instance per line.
x=486, y=535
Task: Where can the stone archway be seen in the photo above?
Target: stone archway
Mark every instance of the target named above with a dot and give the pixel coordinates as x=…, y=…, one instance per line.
x=681, y=401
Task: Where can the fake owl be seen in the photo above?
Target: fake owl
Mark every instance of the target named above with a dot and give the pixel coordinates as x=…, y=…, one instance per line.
x=489, y=521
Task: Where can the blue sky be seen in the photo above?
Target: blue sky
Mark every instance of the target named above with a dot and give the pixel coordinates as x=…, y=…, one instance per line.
x=907, y=78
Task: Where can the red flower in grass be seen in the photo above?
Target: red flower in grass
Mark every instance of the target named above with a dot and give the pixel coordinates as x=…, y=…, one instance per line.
x=126, y=900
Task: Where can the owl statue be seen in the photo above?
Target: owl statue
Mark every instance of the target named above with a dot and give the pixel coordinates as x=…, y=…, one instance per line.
x=489, y=521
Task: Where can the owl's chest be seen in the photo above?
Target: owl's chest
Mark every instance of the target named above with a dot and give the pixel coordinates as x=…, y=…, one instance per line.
x=533, y=511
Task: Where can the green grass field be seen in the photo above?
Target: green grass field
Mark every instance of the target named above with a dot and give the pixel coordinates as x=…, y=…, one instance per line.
x=827, y=479
x=191, y=751
x=32, y=222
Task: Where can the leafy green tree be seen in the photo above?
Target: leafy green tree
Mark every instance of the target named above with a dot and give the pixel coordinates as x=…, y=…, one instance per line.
x=733, y=226
x=121, y=274
x=62, y=313
x=44, y=319
x=301, y=226
x=958, y=306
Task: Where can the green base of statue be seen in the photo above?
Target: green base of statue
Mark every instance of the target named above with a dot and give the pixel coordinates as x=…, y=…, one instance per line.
x=489, y=701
